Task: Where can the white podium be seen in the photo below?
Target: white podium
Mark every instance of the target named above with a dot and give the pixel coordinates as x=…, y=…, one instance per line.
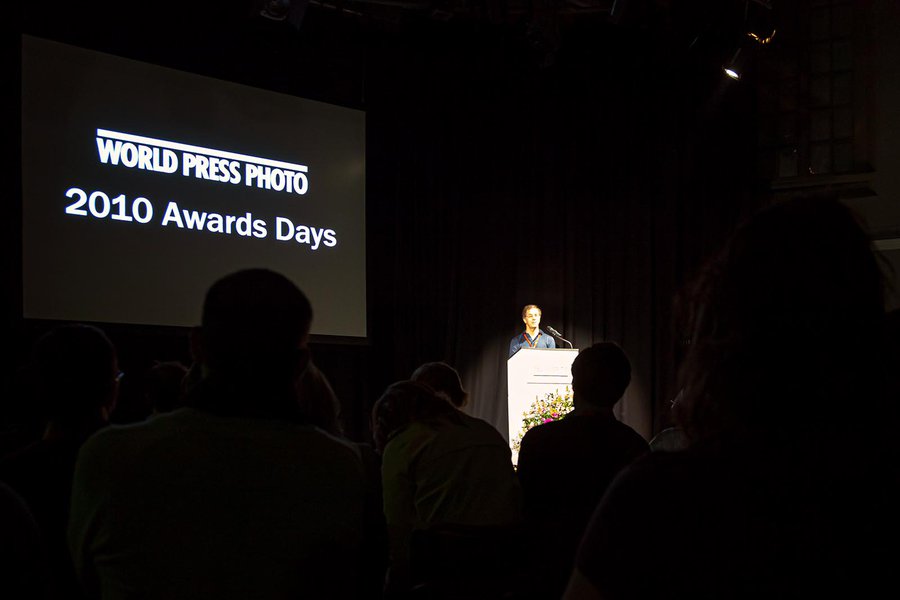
x=533, y=372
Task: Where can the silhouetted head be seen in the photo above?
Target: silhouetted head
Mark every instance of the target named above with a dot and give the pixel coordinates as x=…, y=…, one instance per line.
x=319, y=404
x=444, y=380
x=403, y=403
x=785, y=324
x=76, y=375
x=163, y=385
x=600, y=375
x=255, y=326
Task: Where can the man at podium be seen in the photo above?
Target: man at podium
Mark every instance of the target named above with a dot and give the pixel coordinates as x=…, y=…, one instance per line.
x=532, y=337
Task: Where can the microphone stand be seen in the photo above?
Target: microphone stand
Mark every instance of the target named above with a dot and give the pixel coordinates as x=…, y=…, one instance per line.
x=566, y=341
x=557, y=334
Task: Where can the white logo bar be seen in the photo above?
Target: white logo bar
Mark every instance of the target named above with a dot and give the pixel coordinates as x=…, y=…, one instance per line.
x=139, y=139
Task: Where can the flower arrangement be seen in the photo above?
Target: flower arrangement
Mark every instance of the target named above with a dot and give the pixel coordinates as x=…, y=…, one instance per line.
x=552, y=406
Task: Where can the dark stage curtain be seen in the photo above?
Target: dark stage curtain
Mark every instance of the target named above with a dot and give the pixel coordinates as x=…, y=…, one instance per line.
x=589, y=173
x=592, y=187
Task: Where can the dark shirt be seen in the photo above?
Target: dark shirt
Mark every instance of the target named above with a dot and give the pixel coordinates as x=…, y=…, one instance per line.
x=41, y=473
x=22, y=570
x=523, y=340
x=747, y=523
x=565, y=467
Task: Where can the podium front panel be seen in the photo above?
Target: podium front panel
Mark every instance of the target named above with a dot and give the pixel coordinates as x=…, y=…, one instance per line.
x=531, y=374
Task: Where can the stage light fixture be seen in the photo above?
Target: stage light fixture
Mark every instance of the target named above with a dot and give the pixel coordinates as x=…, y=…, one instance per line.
x=734, y=67
x=289, y=11
x=276, y=10
x=759, y=31
x=750, y=42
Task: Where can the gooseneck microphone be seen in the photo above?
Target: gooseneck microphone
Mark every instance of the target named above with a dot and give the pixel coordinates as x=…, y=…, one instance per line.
x=559, y=335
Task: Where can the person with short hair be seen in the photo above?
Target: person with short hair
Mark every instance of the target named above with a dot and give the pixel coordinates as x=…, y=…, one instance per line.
x=75, y=376
x=163, y=386
x=232, y=496
x=318, y=402
x=444, y=380
x=789, y=485
x=441, y=469
x=565, y=466
x=532, y=337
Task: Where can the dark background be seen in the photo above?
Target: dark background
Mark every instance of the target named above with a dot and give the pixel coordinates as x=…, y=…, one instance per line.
x=586, y=163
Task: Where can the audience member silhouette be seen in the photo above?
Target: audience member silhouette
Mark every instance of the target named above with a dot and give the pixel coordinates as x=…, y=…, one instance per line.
x=789, y=486
x=163, y=385
x=75, y=378
x=23, y=422
x=23, y=573
x=444, y=380
x=319, y=404
x=231, y=496
x=566, y=465
x=671, y=438
x=441, y=472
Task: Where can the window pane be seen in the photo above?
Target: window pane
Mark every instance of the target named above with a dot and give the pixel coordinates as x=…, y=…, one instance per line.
x=843, y=56
x=820, y=58
x=787, y=129
x=820, y=125
x=787, y=100
x=843, y=88
x=789, y=67
x=765, y=164
x=766, y=133
x=819, y=158
x=766, y=98
x=842, y=20
x=843, y=123
x=843, y=157
x=819, y=24
x=820, y=91
x=787, y=163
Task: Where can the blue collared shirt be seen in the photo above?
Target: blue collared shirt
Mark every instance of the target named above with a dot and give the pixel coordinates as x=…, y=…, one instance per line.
x=523, y=340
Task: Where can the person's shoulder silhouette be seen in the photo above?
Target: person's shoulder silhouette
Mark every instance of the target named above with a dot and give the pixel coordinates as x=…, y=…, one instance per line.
x=234, y=495
x=786, y=489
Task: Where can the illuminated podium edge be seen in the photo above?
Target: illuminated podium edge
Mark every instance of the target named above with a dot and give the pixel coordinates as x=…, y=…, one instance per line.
x=531, y=373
